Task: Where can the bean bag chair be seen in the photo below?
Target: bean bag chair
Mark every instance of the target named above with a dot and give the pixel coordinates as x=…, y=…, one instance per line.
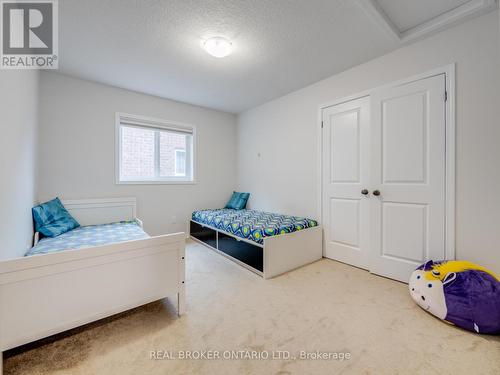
x=460, y=293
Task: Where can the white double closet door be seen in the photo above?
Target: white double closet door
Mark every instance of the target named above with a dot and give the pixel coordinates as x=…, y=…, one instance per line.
x=383, y=193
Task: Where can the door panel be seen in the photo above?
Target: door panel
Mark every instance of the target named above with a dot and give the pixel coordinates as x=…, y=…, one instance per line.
x=404, y=129
x=345, y=147
x=344, y=222
x=408, y=168
x=345, y=173
x=404, y=234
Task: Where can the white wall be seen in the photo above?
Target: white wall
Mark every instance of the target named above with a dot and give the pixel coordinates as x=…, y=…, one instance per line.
x=77, y=154
x=18, y=141
x=284, y=131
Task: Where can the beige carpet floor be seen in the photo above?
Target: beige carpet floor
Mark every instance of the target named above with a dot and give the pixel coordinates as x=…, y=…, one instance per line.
x=326, y=306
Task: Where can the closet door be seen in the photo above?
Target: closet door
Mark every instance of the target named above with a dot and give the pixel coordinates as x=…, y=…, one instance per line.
x=408, y=177
x=345, y=175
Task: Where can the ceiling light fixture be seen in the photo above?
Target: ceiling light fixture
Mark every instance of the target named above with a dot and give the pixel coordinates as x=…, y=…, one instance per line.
x=218, y=46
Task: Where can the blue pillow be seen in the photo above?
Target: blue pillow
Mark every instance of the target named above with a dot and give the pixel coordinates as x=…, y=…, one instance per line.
x=242, y=202
x=234, y=199
x=52, y=219
x=238, y=201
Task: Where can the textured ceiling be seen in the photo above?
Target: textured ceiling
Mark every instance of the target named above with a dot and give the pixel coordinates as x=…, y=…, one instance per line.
x=154, y=46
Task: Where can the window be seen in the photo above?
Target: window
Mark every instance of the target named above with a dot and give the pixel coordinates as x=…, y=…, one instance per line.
x=153, y=151
x=180, y=162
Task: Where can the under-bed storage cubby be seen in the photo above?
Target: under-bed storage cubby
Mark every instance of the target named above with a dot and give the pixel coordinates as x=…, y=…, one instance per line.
x=276, y=255
x=245, y=252
x=204, y=234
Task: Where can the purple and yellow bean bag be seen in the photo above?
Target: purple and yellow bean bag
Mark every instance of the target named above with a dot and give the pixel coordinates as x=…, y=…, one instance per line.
x=460, y=293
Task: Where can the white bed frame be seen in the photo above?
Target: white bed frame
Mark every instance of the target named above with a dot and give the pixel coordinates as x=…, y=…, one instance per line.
x=286, y=252
x=42, y=295
x=282, y=253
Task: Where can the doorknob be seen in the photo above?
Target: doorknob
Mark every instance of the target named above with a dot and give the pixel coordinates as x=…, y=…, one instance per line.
x=364, y=192
x=376, y=193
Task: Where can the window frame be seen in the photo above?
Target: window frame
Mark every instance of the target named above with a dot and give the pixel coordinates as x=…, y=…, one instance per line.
x=125, y=119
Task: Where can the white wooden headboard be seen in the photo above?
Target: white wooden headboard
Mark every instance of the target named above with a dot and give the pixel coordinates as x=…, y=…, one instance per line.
x=101, y=211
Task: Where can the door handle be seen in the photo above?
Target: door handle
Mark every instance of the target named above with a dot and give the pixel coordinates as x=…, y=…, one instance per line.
x=364, y=192
x=376, y=193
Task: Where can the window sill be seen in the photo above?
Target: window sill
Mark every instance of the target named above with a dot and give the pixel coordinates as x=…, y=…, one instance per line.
x=156, y=182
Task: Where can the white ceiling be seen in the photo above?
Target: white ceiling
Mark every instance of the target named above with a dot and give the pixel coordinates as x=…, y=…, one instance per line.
x=407, y=14
x=154, y=46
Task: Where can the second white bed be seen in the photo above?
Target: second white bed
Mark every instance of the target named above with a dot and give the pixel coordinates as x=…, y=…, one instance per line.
x=46, y=294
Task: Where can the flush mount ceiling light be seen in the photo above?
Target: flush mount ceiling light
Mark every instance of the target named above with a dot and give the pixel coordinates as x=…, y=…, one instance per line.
x=218, y=46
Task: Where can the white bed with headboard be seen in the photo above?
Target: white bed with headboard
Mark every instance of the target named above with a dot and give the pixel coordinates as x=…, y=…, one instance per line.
x=46, y=294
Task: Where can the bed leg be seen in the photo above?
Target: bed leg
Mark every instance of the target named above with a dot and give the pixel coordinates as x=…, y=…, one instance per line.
x=1, y=363
x=181, y=303
x=181, y=295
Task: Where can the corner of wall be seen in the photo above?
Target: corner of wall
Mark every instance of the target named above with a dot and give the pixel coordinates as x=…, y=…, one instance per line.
x=19, y=95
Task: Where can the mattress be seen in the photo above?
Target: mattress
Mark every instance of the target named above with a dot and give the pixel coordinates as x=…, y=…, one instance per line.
x=250, y=224
x=89, y=236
